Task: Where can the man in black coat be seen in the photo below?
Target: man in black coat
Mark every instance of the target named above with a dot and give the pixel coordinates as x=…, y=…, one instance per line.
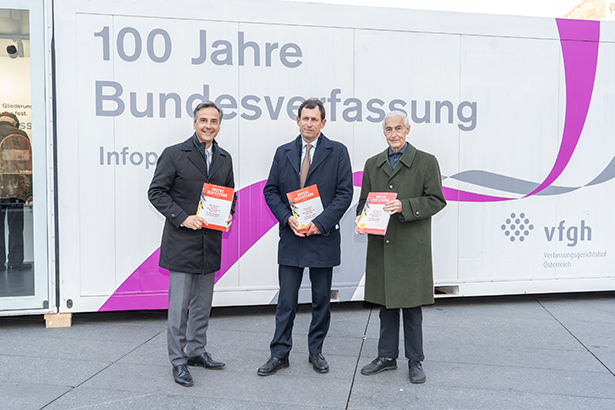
x=190, y=252
x=309, y=159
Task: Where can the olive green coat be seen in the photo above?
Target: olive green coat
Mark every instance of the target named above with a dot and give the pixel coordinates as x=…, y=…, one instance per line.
x=398, y=272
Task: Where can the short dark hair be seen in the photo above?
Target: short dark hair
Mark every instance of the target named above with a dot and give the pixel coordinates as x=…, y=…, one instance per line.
x=11, y=115
x=311, y=104
x=206, y=104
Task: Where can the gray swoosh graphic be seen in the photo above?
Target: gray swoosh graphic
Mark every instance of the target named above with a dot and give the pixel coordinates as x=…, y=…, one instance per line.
x=508, y=184
x=606, y=175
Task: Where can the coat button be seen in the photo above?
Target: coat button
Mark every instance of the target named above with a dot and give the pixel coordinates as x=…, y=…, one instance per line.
x=390, y=186
x=417, y=212
x=387, y=241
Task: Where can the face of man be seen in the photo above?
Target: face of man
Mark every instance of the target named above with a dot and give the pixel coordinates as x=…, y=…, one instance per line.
x=395, y=132
x=310, y=124
x=207, y=125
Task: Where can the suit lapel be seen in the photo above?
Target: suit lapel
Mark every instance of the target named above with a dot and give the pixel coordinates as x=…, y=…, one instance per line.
x=216, y=160
x=292, y=155
x=383, y=162
x=195, y=157
x=324, y=149
x=405, y=159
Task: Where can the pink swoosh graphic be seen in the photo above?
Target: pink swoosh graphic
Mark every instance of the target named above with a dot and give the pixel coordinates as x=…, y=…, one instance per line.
x=579, y=40
x=147, y=287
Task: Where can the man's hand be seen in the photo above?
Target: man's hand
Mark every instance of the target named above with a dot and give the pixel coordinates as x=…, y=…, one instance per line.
x=393, y=207
x=229, y=221
x=312, y=230
x=194, y=222
x=356, y=224
x=294, y=225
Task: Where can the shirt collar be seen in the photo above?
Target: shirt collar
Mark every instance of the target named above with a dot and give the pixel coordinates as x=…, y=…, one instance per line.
x=314, y=143
x=398, y=153
x=201, y=145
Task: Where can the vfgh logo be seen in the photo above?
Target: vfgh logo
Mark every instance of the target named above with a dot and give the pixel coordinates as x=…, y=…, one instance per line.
x=572, y=233
x=517, y=227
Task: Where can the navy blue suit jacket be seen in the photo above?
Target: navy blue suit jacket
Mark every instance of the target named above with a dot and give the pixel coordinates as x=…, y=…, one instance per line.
x=331, y=171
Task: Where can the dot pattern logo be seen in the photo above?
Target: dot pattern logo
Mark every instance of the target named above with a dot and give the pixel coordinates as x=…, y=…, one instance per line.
x=517, y=227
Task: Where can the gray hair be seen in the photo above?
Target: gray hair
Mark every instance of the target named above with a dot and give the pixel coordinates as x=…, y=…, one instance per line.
x=206, y=104
x=396, y=113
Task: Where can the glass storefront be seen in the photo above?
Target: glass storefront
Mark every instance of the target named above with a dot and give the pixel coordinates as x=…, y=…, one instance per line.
x=24, y=257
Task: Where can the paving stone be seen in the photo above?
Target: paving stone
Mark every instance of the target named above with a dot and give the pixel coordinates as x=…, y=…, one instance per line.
x=26, y=396
x=368, y=396
x=296, y=385
x=59, y=372
x=540, y=351
x=120, y=400
x=68, y=348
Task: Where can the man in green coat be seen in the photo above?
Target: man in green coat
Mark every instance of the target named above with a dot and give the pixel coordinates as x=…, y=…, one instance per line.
x=398, y=273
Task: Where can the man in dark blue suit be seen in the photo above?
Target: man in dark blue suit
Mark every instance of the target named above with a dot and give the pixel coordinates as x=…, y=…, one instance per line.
x=309, y=159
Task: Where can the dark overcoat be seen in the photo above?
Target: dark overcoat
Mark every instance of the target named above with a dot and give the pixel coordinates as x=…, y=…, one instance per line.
x=331, y=171
x=175, y=192
x=398, y=273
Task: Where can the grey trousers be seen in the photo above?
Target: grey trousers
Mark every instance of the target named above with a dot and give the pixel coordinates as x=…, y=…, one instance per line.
x=187, y=329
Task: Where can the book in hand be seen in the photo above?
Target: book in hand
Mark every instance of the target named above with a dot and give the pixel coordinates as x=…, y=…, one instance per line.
x=305, y=204
x=374, y=219
x=215, y=206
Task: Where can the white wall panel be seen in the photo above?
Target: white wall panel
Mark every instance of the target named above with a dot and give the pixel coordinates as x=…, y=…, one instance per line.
x=508, y=73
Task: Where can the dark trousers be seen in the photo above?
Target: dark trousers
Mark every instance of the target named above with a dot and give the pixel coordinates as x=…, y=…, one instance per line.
x=12, y=209
x=290, y=281
x=388, y=344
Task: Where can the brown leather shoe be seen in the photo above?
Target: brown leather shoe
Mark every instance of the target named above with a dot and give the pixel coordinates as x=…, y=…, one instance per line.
x=205, y=361
x=272, y=366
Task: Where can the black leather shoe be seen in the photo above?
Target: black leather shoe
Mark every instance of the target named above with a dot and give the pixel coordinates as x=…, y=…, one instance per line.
x=272, y=366
x=379, y=364
x=417, y=375
x=319, y=363
x=205, y=361
x=182, y=375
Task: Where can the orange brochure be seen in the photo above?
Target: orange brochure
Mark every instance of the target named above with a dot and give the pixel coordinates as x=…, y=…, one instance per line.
x=374, y=219
x=305, y=204
x=215, y=206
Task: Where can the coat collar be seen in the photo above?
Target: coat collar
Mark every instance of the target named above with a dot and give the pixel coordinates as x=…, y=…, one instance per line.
x=382, y=160
x=323, y=148
x=197, y=159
